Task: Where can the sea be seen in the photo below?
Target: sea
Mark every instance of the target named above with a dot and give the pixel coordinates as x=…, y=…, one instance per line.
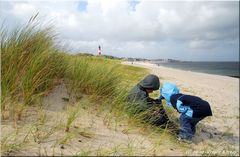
x=217, y=68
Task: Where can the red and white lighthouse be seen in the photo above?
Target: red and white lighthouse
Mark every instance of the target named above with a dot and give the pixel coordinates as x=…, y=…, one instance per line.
x=99, y=50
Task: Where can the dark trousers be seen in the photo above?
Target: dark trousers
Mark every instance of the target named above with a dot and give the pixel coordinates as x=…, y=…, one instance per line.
x=187, y=126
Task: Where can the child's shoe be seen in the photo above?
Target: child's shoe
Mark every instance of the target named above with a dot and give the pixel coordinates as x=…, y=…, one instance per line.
x=188, y=141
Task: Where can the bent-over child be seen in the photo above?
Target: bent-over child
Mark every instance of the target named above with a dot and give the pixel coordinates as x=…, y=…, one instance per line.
x=192, y=109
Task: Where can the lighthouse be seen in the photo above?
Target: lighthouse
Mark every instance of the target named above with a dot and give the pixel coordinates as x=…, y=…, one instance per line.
x=99, y=50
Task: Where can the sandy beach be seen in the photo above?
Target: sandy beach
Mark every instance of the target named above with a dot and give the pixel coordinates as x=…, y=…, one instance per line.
x=222, y=92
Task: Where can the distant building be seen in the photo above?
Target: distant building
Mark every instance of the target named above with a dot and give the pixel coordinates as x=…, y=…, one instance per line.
x=99, y=50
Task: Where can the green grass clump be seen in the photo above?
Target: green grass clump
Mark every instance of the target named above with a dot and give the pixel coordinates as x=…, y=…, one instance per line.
x=72, y=115
x=92, y=75
x=30, y=64
x=130, y=75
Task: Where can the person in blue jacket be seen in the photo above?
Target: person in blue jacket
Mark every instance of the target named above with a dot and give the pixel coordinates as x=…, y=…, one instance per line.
x=192, y=109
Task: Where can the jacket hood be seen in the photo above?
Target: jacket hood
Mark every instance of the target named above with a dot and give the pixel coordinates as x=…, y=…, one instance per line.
x=150, y=82
x=167, y=90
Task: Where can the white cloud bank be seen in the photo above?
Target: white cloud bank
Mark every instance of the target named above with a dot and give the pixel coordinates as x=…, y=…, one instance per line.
x=206, y=30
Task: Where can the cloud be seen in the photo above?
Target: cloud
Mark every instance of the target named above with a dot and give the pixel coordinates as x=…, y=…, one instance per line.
x=23, y=9
x=152, y=29
x=196, y=44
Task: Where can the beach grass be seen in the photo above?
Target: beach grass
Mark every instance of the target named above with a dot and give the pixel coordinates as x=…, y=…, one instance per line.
x=91, y=75
x=72, y=115
x=30, y=65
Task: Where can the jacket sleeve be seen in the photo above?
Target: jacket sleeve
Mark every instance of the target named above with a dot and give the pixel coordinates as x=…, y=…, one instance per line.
x=184, y=109
x=180, y=107
x=138, y=101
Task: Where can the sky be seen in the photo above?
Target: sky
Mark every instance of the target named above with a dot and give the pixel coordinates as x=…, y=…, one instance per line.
x=152, y=29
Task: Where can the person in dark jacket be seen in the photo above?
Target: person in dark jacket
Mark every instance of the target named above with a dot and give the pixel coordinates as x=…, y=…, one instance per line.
x=140, y=100
x=192, y=109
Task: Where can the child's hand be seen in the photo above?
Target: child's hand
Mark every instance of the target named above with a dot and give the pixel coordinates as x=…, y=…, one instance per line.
x=158, y=101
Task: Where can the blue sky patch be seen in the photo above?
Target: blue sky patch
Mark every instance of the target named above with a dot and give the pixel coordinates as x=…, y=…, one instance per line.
x=133, y=4
x=82, y=6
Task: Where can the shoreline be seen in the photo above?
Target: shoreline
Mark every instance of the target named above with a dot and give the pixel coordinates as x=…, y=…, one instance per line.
x=152, y=65
x=235, y=77
x=198, y=71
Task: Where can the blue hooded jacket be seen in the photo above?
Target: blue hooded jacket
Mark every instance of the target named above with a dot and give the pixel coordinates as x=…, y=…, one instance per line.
x=190, y=105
